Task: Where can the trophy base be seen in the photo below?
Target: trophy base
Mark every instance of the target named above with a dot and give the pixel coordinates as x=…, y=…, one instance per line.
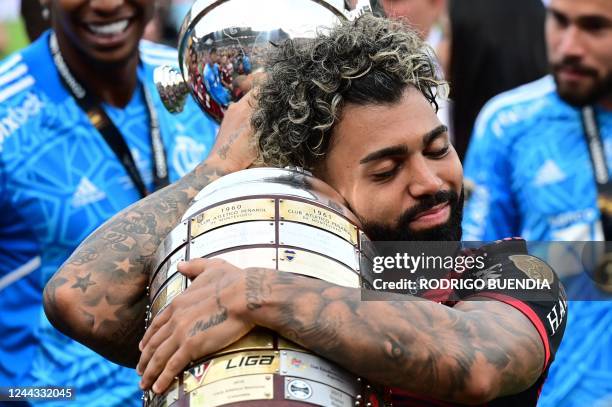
x=265, y=369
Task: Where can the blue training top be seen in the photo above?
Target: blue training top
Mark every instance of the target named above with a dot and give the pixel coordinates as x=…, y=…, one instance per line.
x=212, y=81
x=59, y=181
x=531, y=173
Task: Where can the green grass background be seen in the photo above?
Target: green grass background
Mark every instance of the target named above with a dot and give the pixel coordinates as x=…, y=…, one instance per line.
x=17, y=36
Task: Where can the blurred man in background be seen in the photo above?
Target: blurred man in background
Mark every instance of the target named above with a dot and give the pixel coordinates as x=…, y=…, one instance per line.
x=83, y=134
x=539, y=163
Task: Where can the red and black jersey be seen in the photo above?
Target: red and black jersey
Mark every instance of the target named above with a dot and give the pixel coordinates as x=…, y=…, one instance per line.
x=546, y=308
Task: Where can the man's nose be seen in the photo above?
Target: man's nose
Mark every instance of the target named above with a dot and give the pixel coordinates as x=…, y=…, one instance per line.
x=571, y=43
x=422, y=179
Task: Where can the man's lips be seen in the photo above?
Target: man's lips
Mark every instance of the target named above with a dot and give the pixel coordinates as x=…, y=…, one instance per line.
x=573, y=74
x=435, y=215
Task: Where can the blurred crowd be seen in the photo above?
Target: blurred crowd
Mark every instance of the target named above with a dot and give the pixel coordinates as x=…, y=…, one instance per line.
x=523, y=151
x=497, y=45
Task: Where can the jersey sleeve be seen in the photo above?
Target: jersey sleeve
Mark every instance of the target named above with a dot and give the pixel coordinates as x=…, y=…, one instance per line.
x=490, y=212
x=526, y=283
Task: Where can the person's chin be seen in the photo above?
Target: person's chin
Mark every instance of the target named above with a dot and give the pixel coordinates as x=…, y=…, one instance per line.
x=576, y=91
x=114, y=57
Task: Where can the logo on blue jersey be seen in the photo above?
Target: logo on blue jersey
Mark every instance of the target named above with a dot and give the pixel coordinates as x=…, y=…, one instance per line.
x=17, y=116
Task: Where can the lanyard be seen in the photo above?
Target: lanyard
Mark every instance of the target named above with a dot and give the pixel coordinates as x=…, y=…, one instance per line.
x=600, y=168
x=603, y=271
x=105, y=126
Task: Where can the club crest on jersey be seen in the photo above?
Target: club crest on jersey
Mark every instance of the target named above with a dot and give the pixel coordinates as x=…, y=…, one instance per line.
x=17, y=116
x=535, y=268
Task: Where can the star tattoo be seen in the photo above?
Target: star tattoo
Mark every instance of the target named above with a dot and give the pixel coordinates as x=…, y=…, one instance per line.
x=83, y=282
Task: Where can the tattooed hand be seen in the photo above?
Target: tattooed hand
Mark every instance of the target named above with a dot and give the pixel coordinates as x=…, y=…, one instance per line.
x=208, y=316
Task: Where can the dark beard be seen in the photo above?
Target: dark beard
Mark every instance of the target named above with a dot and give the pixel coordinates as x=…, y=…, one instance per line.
x=601, y=89
x=449, y=231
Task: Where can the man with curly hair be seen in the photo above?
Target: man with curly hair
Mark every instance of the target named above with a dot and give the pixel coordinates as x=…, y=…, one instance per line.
x=376, y=84
x=356, y=106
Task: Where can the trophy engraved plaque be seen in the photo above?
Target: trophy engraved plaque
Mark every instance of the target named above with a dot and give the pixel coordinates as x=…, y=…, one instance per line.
x=281, y=219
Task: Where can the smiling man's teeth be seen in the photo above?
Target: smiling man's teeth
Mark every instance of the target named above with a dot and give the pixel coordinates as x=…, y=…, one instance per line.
x=109, y=29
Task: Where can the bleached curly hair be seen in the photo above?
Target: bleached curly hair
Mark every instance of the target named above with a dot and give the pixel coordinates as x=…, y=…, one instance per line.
x=368, y=61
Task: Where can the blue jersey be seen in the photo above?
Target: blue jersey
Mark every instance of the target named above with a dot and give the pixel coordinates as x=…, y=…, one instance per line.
x=531, y=175
x=212, y=80
x=59, y=180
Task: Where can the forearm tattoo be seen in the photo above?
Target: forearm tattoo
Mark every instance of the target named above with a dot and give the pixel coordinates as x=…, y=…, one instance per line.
x=417, y=345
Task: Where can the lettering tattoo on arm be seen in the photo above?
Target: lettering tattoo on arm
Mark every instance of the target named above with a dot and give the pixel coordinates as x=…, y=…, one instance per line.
x=225, y=148
x=98, y=296
x=418, y=345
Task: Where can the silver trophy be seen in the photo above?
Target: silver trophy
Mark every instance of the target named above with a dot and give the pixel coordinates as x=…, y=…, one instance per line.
x=222, y=44
x=282, y=219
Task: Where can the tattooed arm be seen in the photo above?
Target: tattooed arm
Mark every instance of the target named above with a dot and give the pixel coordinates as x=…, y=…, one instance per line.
x=472, y=353
x=98, y=296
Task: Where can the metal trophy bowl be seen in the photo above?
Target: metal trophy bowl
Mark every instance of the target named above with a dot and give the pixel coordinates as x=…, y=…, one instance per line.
x=281, y=219
x=222, y=44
